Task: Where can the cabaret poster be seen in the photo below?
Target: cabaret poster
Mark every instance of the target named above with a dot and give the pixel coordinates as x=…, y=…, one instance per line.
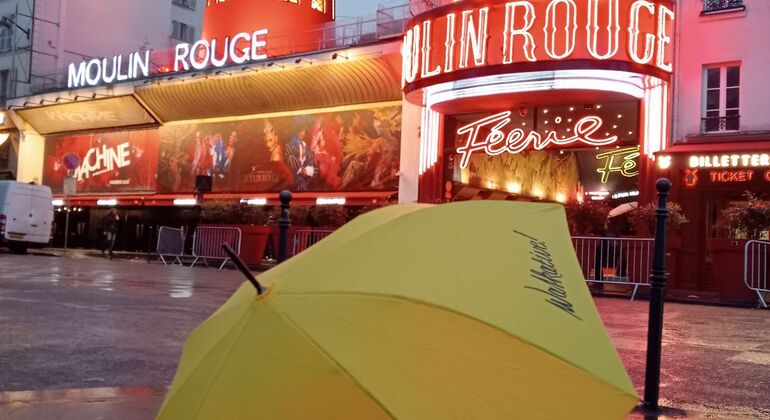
x=355, y=150
x=109, y=162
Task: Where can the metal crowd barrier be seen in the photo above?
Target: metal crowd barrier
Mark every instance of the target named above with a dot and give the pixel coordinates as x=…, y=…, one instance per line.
x=207, y=244
x=626, y=261
x=305, y=238
x=170, y=245
x=755, y=266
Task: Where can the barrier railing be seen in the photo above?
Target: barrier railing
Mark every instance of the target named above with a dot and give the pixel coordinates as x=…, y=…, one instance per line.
x=305, y=238
x=756, y=262
x=170, y=245
x=625, y=261
x=207, y=244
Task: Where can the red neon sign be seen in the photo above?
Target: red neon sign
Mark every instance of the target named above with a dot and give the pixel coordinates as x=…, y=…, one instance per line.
x=690, y=178
x=731, y=176
x=517, y=140
x=469, y=35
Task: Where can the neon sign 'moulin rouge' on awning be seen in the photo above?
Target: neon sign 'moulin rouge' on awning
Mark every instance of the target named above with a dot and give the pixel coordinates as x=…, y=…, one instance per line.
x=517, y=140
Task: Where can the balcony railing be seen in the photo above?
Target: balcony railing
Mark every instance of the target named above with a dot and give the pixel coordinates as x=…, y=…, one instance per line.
x=715, y=6
x=720, y=124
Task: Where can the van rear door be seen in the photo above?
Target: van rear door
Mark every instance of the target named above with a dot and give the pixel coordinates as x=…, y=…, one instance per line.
x=17, y=212
x=40, y=214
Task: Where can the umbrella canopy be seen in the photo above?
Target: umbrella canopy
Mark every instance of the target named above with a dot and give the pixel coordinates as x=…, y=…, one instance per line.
x=623, y=209
x=467, y=310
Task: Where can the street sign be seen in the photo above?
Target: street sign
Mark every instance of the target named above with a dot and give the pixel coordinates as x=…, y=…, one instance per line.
x=70, y=185
x=70, y=161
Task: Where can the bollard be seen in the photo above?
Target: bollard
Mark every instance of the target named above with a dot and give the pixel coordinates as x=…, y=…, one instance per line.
x=284, y=223
x=658, y=283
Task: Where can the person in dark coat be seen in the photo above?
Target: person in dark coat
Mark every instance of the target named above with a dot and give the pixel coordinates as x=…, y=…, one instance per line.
x=110, y=229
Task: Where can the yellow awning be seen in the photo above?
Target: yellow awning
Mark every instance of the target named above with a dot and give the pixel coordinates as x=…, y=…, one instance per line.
x=275, y=89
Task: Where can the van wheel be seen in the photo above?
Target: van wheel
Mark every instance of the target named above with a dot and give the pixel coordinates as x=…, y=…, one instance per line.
x=19, y=249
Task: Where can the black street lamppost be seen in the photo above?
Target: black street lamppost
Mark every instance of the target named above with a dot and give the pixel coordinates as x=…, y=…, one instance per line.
x=284, y=223
x=658, y=288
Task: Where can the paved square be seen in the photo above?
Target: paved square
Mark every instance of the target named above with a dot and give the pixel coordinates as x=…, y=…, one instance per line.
x=91, y=338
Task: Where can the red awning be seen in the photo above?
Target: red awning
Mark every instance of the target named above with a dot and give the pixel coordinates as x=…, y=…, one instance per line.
x=722, y=146
x=301, y=199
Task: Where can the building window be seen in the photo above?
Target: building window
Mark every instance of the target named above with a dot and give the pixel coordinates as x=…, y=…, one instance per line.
x=182, y=31
x=187, y=4
x=4, y=85
x=721, y=98
x=715, y=6
x=6, y=37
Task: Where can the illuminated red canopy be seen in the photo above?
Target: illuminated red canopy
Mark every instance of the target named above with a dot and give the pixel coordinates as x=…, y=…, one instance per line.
x=474, y=38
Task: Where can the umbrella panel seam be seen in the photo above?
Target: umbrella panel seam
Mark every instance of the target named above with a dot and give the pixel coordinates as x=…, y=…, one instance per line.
x=331, y=360
x=435, y=306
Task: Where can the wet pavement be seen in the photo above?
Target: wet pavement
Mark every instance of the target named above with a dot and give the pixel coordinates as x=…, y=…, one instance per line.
x=89, y=338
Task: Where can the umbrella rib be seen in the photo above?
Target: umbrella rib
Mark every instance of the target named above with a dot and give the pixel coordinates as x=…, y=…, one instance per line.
x=243, y=321
x=435, y=306
x=329, y=357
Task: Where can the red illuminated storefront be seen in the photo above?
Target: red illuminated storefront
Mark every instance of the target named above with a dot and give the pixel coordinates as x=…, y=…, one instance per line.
x=273, y=110
x=708, y=178
x=561, y=100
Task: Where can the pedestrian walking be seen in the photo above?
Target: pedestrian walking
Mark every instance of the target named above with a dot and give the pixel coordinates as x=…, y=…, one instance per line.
x=110, y=229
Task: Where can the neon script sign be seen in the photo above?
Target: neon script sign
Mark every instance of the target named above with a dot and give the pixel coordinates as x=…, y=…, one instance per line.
x=239, y=49
x=517, y=140
x=622, y=161
x=465, y=36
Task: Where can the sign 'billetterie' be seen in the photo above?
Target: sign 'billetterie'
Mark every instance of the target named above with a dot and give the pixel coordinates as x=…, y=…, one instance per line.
x=239, y=49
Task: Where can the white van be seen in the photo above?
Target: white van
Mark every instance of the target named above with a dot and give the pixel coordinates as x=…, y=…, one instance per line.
x=26, y=215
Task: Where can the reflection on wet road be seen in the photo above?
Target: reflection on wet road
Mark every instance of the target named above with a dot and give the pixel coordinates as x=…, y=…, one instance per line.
x=90, y=322
x=93, y=338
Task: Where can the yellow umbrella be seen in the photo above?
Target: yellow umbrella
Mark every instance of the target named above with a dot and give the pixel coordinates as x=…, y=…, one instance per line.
x=474, y=310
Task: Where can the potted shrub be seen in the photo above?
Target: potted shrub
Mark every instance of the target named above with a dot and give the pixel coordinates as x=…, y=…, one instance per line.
x=748, y=220
x=251, y=220
x=645, y=221
x=588, y=217
x=330, y=217
x=373, y=206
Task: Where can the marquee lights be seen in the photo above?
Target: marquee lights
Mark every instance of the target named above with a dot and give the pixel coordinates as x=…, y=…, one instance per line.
x=107, y=202
x=744, y=160
x=185, y=202
x=261, y=201
x=613, y=29
x=732, y=176
x=625, y=194
x=330, y=201
x=203, y=53
x=517, y=140
x=623, y=161
x=511, y=32
x=570, y=29
x=96, y=71
x=473, y=39
x=239, y=49
x=545, y=30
